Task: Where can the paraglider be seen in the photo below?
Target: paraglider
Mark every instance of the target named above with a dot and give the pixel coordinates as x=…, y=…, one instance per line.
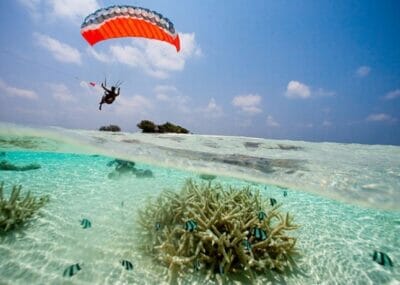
x=109, y=94
x=128, y=21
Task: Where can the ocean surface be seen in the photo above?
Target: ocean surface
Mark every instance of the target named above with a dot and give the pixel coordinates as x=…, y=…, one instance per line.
x=346, y=197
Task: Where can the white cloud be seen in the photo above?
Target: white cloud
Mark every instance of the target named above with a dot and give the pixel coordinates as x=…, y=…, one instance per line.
x=17, y=92
x=72, y=9
x=381, y=117
x=162, y=97
x=75, y=10
x=326, y=123
x=61, y=93
x=171, y=95
x=212, y=110
x=162, y=89
x=271, y=122
x=157, y=59
x=100, y=56
x=32, y=6
x=296, y=89
x=133, y=105
x=393, y=94
x=60, y=51
x=248, y=103
x=322, y=93
x=363, y=71
x=162, y=92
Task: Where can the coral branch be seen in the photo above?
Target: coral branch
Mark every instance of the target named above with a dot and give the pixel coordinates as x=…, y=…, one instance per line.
x=17, y=210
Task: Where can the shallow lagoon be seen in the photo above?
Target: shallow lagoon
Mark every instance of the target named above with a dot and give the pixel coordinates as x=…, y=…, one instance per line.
x=336, y=239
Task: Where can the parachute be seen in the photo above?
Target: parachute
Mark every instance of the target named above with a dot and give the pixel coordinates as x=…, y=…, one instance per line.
x=128, y=21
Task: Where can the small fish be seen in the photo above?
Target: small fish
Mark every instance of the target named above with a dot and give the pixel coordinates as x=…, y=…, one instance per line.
x=122, y=203
x=284, y=193
x=158, y=226
x=190, y=225
x=262, y=215
x=382, y=258
x=72, y=270
x=246, y=244
x=196, y=264
x=272, y=201
x=85, y=223
x=127, y=264
x=259, y=234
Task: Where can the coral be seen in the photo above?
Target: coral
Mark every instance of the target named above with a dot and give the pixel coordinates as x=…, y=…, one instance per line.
x=219, y=231
x=8, y=166
x=17, y=209
x=124, y=167
x=208, y=177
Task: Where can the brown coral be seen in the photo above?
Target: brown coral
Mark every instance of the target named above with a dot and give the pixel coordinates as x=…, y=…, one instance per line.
x=17, y=209
x=236, y=231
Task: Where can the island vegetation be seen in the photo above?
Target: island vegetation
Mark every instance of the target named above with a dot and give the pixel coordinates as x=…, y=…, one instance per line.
x=149, y=127
x=110, y=128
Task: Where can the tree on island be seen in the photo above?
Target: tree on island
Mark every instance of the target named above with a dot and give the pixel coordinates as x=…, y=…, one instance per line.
x=110, y=128
x=149, y=127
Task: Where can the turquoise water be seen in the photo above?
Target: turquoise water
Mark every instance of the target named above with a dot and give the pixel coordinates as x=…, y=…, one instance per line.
x=336, y=240
x=345, y=197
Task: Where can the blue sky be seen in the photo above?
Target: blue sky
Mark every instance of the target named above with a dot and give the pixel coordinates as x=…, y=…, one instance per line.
x=300, y=70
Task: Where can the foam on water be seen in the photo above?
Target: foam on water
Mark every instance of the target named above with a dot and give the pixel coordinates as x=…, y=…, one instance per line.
x=336, y=240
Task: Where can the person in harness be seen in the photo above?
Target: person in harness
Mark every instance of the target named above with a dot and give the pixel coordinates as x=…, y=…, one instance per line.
x=109, y=95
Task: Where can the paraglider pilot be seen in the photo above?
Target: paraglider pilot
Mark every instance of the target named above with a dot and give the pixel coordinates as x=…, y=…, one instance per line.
x=109, y=95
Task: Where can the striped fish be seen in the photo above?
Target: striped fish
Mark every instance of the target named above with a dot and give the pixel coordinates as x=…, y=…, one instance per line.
x=196, y=264
x=158, y=226
x=85, y=223
x=246, y=244
x=382, y=258
x=72, y=270
x=190, y=225
x=262, y=215
x=127, y=264
x=272, y=201
x=284, y=193
x=259, y=234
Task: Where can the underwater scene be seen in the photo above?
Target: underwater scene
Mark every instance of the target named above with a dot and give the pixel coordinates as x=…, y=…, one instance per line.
x=127, y=208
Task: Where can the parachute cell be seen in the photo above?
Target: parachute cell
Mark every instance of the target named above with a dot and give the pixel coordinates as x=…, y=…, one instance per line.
x=128, y=21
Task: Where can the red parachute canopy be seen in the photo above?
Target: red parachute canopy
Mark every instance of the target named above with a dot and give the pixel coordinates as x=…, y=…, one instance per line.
x=128, y=21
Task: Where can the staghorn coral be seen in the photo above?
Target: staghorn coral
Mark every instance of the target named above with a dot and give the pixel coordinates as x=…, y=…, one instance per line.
x=218, y=231
x=17, y=209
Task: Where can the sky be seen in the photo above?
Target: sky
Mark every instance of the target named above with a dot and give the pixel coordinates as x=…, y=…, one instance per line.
x=298, y=70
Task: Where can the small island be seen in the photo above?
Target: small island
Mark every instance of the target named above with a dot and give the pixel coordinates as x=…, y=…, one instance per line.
x=110, y=128
x=149, y=127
